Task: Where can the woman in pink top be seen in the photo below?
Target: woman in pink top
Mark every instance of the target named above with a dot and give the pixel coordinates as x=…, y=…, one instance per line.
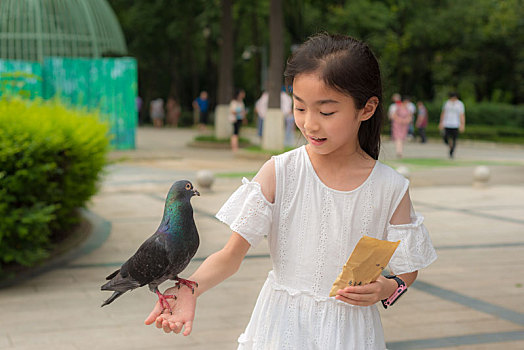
x=402, y=117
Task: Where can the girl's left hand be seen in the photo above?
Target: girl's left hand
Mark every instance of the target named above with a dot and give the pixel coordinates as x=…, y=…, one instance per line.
x=368, y=294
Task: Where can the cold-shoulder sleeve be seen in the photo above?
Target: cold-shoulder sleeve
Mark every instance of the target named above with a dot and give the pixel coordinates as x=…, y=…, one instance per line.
x=415, y=250
x=248, y=212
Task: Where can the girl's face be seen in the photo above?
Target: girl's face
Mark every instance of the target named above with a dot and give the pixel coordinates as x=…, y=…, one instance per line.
x=328, y=119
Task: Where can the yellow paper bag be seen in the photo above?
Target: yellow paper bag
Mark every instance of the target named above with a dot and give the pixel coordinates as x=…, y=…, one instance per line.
x=365, y=264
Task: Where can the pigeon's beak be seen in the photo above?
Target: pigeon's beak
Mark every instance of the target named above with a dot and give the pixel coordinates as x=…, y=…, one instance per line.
x=195, y=192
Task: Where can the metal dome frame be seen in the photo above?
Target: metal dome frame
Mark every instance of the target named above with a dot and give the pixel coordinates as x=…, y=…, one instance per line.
x=33, y=29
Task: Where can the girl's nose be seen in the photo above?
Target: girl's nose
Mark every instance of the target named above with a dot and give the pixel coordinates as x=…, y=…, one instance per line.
x=310, y=122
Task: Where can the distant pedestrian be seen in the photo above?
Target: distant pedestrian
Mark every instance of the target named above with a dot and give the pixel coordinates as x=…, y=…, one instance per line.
x=156, y=110
x=412, y=109
x=261, y=107
x=452, y=121
x=173, y=111
x=138, y=105
x=286, y=106
x=422, y=121
x=201, y=104
x=237, y=116
x=396, y=101
x=402, y=117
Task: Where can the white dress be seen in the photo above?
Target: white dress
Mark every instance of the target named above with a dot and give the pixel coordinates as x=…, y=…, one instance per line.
x=312, y=229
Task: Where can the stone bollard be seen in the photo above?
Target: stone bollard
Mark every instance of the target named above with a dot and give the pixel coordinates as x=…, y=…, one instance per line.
x=404, y=171
x=481, y=175
x=205, y=179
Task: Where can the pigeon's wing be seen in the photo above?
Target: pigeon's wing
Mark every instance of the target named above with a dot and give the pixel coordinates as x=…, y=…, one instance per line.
x=150, y=261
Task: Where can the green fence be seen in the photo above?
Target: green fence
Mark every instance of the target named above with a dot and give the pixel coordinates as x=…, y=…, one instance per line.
x=108, y=85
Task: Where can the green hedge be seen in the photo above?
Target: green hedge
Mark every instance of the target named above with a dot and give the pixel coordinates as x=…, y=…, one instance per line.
x=484, y=113
x=50, y=161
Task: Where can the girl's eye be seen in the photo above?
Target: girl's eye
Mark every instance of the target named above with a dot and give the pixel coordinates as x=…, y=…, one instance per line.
x=299, y=109
x=327, y=114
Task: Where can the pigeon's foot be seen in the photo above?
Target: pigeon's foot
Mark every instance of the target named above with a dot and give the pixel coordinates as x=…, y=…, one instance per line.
x=187, y=283
x=163, y=300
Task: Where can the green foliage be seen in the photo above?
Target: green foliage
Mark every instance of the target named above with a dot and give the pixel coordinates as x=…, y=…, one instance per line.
x=50, y=161
x=485, y=113
x=426, y=48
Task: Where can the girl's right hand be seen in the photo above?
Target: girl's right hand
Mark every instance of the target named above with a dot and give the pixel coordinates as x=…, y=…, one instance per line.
x=183, y=312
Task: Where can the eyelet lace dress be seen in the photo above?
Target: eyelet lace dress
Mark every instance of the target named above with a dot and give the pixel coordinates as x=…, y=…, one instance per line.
x=312, y=230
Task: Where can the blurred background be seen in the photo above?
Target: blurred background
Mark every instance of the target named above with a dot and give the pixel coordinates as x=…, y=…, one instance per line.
x=426, y=48
x=81, y=82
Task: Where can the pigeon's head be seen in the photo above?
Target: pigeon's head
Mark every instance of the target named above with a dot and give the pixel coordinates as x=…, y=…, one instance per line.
x=182, y=189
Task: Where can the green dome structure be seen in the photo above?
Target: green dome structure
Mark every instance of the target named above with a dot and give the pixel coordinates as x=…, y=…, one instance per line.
x=33, y=29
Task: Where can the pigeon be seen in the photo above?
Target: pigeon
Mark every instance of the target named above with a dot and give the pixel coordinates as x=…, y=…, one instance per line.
x=166, y=253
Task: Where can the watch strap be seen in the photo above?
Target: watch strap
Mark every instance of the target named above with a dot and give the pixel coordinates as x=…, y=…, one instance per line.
x=401, y=289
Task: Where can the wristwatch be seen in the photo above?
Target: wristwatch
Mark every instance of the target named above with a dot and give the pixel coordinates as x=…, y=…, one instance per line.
x=401, y=289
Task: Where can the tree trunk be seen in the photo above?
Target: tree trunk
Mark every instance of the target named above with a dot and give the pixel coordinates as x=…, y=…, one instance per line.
x=273, y=135
x=225, y=72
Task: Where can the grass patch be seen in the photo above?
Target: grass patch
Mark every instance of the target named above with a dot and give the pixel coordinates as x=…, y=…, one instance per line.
x=440, y=162
x=212, y=138
x=248, y=174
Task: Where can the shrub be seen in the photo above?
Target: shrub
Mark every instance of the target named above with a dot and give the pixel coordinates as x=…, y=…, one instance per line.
x=50, y=161
x=484, y=113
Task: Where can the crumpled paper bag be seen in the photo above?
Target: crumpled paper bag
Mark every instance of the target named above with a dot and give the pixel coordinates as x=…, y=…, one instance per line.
x=365, y=264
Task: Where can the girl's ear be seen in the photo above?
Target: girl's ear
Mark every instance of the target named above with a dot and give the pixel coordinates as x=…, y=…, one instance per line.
x=369, y=109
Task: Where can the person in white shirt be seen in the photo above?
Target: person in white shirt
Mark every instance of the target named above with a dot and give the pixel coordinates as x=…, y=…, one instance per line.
x=286, y=106
x=261, y=110
x=452, y=121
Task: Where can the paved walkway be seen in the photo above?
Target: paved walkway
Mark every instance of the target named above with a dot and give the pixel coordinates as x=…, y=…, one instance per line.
x=471, y=298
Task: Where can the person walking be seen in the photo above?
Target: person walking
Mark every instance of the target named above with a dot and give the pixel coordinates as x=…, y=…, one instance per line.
x=201, y=104
x=422, y=121
x=173, y=111
x=452, y=121
x=286, y=106
x=401, y=120
x=237, y=116
x=156, y=110
x=261, y=107
x=314, y=203
x=396, y=100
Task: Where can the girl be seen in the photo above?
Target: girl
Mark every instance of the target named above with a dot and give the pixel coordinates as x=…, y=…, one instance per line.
x=314, y=203
x=237, y=115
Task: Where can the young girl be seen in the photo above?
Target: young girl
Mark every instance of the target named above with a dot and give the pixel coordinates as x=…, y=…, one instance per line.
x=314, y=203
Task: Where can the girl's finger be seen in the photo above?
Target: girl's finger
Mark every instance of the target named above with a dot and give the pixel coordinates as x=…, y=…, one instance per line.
x=177, y=327
x=187, y=328
x=350, y=301
x=165, y=326
x=157, y=310
x=158, y=322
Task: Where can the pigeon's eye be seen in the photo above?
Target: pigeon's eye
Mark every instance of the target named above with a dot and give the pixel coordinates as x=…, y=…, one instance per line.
x=188, y=186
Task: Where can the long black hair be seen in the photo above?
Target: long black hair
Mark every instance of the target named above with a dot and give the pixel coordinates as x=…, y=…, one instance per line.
x=349, y=66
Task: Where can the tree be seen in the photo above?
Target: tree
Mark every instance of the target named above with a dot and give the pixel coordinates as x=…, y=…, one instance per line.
x=225, y=73
x=273, y=135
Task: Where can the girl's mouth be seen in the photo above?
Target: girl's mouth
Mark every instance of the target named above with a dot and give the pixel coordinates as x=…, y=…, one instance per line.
x=317, y=140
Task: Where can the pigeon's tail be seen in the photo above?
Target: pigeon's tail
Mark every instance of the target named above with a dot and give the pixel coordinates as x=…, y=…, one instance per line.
x=112, y=298
x=113, y=275
x=119, y=285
